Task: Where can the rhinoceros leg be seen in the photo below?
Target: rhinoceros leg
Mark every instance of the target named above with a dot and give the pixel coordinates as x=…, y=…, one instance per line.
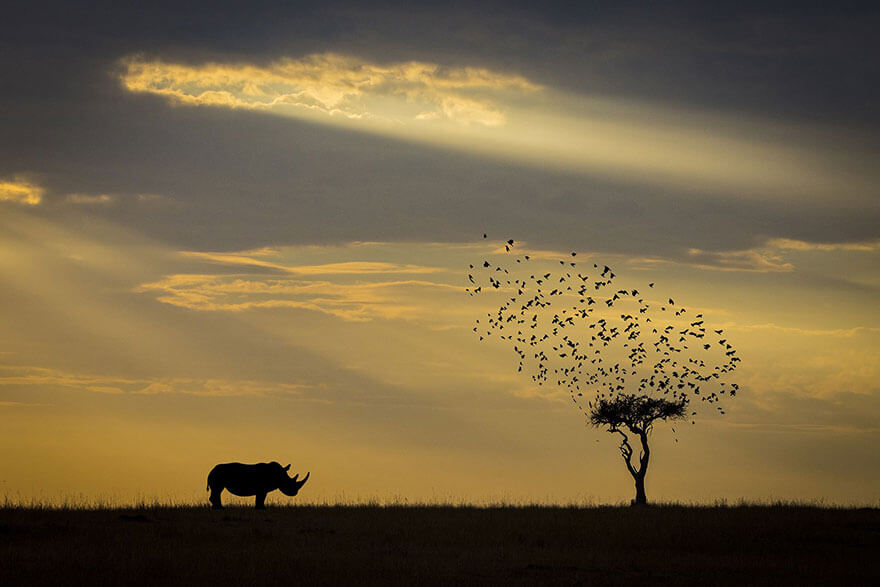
x=215, y=500
x=260, y=502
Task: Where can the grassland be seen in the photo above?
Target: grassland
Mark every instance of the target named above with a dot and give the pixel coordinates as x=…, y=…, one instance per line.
x=412, y=545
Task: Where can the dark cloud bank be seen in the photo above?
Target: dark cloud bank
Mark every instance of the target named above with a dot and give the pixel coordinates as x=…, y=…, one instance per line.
x=239, y=180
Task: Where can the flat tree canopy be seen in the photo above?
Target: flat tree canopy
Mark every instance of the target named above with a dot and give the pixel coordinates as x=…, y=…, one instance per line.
x=636, y=412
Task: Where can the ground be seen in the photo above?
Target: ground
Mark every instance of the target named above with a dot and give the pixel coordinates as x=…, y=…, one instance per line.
x=791, y=545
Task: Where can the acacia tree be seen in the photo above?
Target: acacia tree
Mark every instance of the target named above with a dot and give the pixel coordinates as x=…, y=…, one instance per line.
x=637, y=415
x=626, y=359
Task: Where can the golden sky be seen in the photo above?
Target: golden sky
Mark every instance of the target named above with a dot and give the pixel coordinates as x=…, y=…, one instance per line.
x=240, y=246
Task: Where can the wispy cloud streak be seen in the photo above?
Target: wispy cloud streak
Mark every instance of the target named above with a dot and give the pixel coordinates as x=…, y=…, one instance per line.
x=255, y=259
x=21, y=375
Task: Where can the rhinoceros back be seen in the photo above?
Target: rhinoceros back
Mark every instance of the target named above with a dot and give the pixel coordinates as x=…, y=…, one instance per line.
x=245, y=479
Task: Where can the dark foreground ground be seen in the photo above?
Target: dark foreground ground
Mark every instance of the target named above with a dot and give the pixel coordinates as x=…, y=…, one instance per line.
x=440, y=545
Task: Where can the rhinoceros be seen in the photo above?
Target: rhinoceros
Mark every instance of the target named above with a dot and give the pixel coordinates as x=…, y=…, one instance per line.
x=258, y=480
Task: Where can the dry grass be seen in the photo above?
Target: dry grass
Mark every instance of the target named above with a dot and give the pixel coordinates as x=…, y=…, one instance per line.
x=150, y=545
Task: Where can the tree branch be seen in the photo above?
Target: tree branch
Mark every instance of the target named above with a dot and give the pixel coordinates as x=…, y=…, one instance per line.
x=626, y=451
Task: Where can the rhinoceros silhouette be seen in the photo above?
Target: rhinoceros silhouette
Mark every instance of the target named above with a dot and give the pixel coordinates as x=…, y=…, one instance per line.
x=257, y=480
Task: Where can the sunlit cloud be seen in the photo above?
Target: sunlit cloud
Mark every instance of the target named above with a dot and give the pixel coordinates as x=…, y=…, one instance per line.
x=759, y=260
x=28, y=192
x=821, y=332
x=774, y=255
x=750, y=260
x=254, y=258
x=798, y=245
x=331, y=84
x=360, y=289
x=351, y=302
x=21, y=191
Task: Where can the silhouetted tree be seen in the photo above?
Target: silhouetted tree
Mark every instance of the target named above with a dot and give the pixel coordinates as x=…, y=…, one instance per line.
x=635, y=414
x=626, y=358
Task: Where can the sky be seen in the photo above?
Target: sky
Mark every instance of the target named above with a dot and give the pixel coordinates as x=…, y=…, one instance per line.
x=243, y=232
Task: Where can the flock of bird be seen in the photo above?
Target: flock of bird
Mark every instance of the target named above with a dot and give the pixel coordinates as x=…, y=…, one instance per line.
x=597, y=339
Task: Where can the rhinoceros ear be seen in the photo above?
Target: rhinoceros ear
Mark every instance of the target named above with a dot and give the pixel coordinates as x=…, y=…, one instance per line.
x=287, y=467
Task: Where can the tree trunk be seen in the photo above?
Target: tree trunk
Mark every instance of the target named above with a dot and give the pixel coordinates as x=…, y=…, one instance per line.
x=641, y=498
x=639, y=476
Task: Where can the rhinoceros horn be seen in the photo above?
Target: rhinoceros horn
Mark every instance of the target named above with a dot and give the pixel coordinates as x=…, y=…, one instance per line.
x=295, y=485
x=303, y=482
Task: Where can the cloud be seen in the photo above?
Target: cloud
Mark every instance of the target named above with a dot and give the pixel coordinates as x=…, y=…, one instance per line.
x=356, y=302
x=110, y=384
x=333, y=85
x=10, y=404
x=368, y=281
x=765, y=258
x=224, y=388
x=754, y=261
x=90, y=199
x=30, y=193
x=749, y=260
x=20, y=191
x=835, y=332
x=759, y=260
x=29, y=375
x=246, y=258
x=798, y=245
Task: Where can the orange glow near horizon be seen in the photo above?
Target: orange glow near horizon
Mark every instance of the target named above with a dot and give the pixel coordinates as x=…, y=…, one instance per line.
x=357, y=362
